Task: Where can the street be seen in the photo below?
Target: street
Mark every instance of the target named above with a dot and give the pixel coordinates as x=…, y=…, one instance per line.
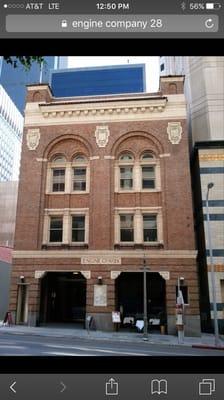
x=27, y=345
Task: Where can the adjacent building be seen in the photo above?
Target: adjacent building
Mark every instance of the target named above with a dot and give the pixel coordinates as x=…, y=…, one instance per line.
x=204, y=91
x=105, y=187
x=8, y=203
x=5, y=273
x=11, y=129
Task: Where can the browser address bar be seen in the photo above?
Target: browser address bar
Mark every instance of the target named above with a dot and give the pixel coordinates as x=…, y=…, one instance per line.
x=112, y=23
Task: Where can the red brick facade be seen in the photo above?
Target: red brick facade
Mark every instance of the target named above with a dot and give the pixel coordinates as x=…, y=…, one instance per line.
x=175, y=253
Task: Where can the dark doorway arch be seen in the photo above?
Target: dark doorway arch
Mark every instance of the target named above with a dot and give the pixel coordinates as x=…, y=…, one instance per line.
x=129, y=295
x=63, y=298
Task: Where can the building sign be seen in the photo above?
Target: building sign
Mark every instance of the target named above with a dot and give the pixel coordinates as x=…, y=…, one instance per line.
x=116, y=317
x=100, y=260
x=100, y=295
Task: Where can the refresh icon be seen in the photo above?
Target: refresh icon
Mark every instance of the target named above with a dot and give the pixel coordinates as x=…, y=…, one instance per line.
x=209, y=23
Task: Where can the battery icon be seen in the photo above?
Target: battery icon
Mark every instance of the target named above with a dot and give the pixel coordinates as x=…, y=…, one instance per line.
x=213, y=6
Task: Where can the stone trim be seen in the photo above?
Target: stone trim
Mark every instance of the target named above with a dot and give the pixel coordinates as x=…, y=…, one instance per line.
x=164, y=155
x=114, y=274
x=94, y=158
x=84, y=110
x=42, y=159
x=103, y=112
x=192, y=254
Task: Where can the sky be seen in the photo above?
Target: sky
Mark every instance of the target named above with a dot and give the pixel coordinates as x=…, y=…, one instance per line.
x=151, y=66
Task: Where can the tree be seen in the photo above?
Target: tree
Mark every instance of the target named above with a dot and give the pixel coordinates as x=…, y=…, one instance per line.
x=25, y=61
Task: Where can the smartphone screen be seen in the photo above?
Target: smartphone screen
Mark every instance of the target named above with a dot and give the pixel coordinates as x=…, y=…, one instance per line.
x=112, y=200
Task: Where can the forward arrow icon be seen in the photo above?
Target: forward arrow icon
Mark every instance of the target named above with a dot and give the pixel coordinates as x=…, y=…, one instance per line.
x=63, y=387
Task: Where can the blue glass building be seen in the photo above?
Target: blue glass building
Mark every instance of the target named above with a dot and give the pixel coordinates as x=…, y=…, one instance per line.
x=95, y=81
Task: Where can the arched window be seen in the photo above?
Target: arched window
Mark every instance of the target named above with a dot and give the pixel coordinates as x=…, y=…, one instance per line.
x=79, y=159
x=58, y=173
x=126, y=162
x=59, y=159
x=79, y=175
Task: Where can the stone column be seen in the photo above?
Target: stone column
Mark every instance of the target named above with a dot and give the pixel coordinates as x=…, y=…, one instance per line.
x=68, y=178
x=49, y=180
x=87, y=228
x=116, y=227
x=138, y=227
x=116, y=178
x=159, y=227
x=137, y=177
x=66, y=237
x=157, y=176
x=46, y=229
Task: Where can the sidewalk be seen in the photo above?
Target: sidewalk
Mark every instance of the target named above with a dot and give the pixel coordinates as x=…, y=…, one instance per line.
x=206, y=340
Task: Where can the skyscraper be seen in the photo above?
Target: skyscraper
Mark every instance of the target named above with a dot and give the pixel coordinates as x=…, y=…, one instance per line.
x=11, y=129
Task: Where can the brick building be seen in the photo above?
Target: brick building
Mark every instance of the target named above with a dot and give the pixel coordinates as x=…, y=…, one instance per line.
x=105, y=183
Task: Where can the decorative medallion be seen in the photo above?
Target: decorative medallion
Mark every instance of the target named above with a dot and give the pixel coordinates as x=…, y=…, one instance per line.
x=33, y=138
x=102, y=134
x=174, y=131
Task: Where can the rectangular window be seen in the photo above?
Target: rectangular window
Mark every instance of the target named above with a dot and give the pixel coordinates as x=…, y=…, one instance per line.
x=78, y=228
x=126, y=228
x=79, y=179
x=148, y=178
x=126, y=181
x=56, y=229
x=149, y=228
x=58, y=180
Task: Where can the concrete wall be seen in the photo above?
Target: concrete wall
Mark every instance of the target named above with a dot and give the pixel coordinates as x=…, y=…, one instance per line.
x=5, y=273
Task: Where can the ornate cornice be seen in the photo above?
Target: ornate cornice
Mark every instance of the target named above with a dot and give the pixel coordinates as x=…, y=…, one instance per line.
x=100, y=109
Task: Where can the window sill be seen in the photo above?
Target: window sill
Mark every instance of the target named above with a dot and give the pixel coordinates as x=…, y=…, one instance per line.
x=79, y=192
x=143, y=246
x=56, y=193
x=139, y=191
x=73, y=192
x=65, y=246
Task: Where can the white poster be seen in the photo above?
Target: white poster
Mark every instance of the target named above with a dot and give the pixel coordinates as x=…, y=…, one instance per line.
x=100, y=295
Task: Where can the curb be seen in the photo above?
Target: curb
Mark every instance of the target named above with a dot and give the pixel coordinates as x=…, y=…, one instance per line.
x=201, y=346
x=114, y=339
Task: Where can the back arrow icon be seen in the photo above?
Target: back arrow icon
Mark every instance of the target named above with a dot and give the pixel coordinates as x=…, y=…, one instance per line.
x=63, y=387
x=12, y=387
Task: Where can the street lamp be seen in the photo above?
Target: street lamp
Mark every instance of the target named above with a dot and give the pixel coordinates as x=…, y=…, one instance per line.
x=210, y=186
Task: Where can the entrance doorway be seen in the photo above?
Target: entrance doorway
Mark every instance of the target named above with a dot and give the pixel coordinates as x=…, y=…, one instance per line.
x=63, y=298
x=22, y=304
x=129, y=295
